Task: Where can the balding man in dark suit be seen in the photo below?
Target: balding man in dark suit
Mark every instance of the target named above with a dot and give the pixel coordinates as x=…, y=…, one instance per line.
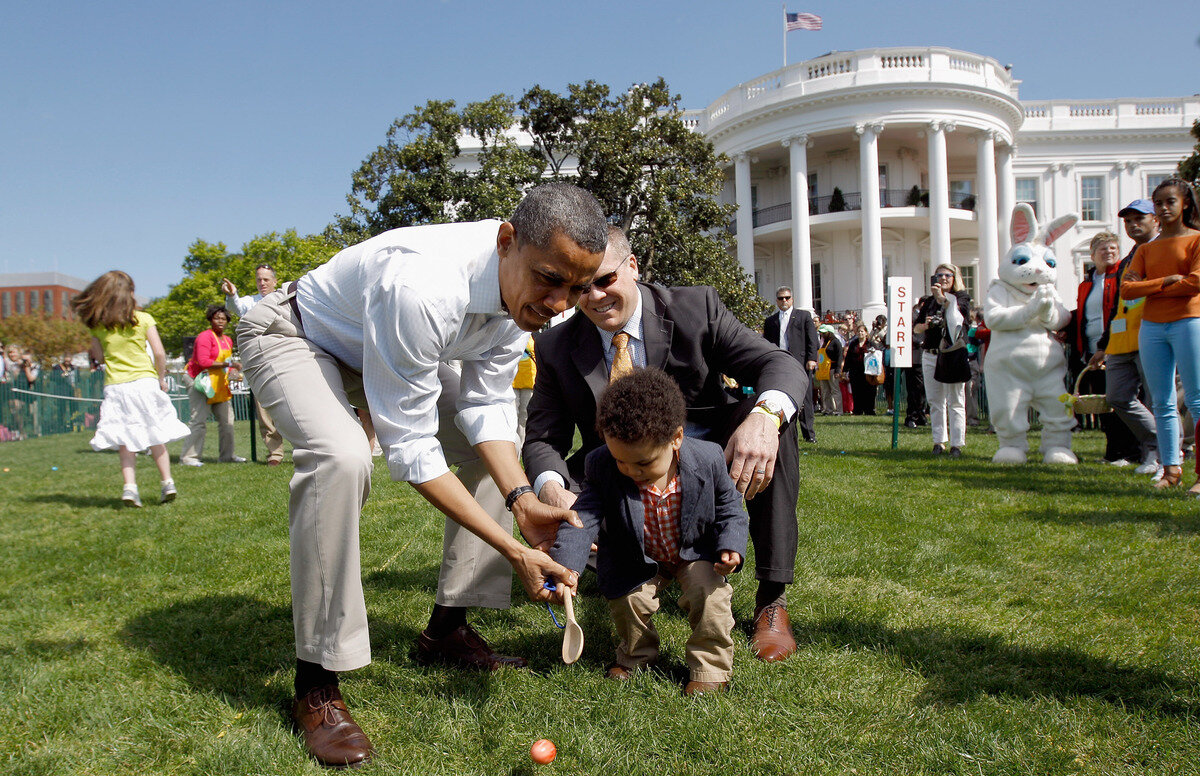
x=691, y=336
x=795, y=332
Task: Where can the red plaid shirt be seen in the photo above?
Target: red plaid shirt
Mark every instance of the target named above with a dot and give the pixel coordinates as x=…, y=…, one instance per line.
x=662, y=510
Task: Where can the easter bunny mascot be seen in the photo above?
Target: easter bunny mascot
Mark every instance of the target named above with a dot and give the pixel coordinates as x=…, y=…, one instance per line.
x=1025, y=366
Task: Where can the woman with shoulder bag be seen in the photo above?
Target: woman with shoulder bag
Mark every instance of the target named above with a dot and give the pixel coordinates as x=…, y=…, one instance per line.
x=941, y=318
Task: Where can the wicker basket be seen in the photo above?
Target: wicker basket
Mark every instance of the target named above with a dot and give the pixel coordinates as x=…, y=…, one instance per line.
x=1088, y=404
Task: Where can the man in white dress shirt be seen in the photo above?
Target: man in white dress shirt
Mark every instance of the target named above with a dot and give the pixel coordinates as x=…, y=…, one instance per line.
x=384, y=324
x=265, y=279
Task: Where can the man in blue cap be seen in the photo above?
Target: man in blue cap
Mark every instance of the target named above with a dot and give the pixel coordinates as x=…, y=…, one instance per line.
x=1118, y=346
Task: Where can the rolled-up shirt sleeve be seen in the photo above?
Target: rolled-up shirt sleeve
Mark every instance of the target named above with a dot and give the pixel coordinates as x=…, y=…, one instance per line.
x=401, y=347
x=486, y=408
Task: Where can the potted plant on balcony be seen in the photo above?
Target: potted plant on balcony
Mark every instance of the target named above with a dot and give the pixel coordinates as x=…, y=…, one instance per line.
x=914, y=197
x=837, y=202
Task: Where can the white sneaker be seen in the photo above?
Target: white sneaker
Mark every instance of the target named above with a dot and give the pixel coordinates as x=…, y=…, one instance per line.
x=376, y=451
x=1120, y=462
x=130, y=497
x=1150, y=467
x=194, y=463
x=168, y=491
x=236, y=459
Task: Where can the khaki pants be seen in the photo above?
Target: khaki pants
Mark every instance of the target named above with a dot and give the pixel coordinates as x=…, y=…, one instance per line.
x=707, y=599
x=312, y=398
x=193, y=447
x=271, y=436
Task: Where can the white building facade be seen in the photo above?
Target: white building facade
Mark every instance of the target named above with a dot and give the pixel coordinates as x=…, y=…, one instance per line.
x=856, y=166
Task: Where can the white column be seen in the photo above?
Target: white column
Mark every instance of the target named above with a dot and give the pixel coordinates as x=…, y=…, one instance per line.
x=1007, y=196
x=745, y=216
x=985, y=208
x=801, y=248
x=872, y=238
x=939, y=196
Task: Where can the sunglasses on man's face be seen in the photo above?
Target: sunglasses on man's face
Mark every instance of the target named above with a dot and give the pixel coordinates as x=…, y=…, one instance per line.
x=782, y=298
x=604, y=281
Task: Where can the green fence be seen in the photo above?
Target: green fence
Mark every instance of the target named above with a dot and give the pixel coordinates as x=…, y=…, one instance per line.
x=57, y=403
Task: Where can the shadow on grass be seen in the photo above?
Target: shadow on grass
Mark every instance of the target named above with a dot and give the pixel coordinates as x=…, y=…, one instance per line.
x=960, y=666
x=228, y=645
x=1168, y=524
x=77, y=500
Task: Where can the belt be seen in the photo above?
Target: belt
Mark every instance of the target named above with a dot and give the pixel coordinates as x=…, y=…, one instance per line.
x=291, y=299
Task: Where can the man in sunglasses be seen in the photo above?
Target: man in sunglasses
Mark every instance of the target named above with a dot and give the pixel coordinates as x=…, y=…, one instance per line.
x=691, y=336
x=795, y=332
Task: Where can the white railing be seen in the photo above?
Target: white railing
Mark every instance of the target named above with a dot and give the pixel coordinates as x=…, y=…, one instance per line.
x=844, y=69
x=892, y=61
x=1047, y=115
x=828, y=67
x=1075, y=111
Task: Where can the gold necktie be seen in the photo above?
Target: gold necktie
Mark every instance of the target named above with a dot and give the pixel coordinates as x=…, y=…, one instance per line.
x=622, y=361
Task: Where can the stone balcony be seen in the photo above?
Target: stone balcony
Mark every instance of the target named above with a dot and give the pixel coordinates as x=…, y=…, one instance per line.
x=839, y=71
x=1102, y=115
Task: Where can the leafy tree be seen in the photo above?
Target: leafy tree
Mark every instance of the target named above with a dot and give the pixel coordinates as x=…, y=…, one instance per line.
x=1189, y=168
x=416, y=176
x=46, y=337
x=180, y=313
x=837, y=201
x=654, y=177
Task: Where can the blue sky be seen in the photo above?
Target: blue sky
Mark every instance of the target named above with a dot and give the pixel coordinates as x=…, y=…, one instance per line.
x=130, y=129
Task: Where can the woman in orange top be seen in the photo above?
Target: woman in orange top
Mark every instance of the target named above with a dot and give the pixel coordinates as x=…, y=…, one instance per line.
x=1167, y=272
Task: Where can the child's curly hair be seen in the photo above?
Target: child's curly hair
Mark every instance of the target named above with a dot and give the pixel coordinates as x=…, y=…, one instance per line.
x=646, y=405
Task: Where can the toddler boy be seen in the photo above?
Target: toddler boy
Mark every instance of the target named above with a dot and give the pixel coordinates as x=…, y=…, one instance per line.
x=660, y=507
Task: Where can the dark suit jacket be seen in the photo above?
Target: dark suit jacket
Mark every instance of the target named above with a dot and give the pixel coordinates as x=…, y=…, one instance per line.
x=803, y=341
x=688, y=334
x=711, y=518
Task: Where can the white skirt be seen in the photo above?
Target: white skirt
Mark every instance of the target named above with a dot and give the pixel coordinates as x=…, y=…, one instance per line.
x=136, y=415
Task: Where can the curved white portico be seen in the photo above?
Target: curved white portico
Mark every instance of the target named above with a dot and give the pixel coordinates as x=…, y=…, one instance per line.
x=858, y=165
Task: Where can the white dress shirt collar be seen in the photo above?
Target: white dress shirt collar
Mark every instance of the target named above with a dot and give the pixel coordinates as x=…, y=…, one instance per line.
x=484, y=289
x=632, y=327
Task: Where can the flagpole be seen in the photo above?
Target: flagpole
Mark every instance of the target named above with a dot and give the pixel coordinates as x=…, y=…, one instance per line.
x=785, y=31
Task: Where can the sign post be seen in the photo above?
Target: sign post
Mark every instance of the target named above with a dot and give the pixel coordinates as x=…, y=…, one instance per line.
x=900, y=340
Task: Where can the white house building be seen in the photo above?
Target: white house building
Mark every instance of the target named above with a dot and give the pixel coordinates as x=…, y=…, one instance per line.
x=855, y=166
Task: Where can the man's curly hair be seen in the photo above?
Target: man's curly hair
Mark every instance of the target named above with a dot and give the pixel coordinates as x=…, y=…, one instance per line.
x=646, y=405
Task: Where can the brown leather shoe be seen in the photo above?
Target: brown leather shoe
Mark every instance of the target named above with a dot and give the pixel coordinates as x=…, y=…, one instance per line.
x=700, y=688
x=331, y=736
x=772, y=638
x=620, y=673
x=464, y=648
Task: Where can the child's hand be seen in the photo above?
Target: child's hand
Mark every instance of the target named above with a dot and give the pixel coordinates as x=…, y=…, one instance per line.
x=729, y=561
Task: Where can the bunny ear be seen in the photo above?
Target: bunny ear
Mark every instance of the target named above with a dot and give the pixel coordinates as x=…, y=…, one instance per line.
x=1057, y=228
x=1024, y=223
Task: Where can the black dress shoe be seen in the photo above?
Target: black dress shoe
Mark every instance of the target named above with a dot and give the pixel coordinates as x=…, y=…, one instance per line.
x=463, y=648
x=330, y=734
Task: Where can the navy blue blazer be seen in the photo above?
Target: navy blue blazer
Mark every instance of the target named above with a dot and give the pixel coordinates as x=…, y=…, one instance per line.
x=712, y=518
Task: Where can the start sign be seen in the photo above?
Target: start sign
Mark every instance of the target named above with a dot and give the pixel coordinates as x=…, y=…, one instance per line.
x=900, y=301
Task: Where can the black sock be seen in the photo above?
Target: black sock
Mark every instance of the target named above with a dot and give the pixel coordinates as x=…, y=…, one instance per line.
x=310, y=675
x=770, y=593
x=445, y=620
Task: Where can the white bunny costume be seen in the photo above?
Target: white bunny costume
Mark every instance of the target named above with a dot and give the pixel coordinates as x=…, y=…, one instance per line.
x=1025, y=366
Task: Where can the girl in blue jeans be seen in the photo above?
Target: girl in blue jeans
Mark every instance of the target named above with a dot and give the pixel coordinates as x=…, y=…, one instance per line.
x=1166, y=271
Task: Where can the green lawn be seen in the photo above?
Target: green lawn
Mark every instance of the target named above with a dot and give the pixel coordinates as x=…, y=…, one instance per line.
x=953, y=617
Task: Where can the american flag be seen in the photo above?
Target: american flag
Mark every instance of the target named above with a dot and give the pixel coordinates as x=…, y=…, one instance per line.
x=801, y=21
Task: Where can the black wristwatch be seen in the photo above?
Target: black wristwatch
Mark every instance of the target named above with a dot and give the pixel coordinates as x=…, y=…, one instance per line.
x=515, y=494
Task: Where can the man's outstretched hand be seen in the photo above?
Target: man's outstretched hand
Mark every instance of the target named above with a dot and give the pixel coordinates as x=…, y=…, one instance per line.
x=539, y=522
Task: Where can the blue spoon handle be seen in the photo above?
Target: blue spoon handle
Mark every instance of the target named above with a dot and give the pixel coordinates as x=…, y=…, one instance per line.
x=553, y=586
